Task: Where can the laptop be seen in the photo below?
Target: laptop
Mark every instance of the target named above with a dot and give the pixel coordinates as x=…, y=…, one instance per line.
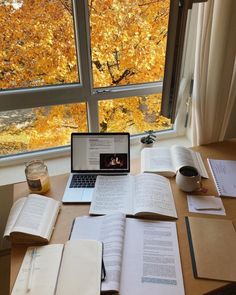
x=95, y=154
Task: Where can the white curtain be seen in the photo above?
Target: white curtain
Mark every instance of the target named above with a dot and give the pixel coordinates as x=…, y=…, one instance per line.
x=214, y=88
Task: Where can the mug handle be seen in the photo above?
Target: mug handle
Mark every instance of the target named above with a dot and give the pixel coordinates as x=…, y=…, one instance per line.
x=201, y=188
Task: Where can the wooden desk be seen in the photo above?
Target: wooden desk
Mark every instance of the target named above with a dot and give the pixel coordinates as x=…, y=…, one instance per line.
x=223, y=150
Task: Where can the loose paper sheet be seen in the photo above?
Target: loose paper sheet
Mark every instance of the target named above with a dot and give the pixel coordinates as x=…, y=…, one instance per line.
x=201, y=204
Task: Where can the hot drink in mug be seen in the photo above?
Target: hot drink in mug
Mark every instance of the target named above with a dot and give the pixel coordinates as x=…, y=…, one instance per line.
x=188, y=179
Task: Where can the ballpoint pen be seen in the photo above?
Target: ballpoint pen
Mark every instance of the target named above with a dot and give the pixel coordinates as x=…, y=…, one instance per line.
x=103, y=271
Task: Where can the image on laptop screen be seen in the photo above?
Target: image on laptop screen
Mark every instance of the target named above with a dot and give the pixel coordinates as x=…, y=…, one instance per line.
x=100, y=153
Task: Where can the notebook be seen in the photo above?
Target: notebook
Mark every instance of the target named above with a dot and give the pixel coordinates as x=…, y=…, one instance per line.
x=95, y=154
x=224, y=175
x=212, y=247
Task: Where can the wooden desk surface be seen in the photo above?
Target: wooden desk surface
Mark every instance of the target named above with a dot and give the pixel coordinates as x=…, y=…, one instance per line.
x=223, y=150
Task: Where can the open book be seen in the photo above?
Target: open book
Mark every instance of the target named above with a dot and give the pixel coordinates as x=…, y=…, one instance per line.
x=139, y=195
x=167, y=161
x=32, y=219
x=140, y=256
x=73, y=268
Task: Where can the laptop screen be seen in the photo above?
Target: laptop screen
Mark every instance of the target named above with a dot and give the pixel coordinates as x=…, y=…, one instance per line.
x=100, y=152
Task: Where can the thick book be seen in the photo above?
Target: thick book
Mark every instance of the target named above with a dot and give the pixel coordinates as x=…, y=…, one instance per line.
x=32, y=219
x=140, y=256
x=224, y=176
x=212, y=247
x=167, y=161
x=135, y=195
x=57, y=269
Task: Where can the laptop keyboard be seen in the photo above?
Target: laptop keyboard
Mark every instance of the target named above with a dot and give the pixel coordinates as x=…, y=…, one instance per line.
x=79, y=180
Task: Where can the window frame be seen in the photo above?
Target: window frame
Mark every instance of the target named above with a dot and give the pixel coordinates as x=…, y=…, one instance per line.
x=14, y=99
x=174, y=55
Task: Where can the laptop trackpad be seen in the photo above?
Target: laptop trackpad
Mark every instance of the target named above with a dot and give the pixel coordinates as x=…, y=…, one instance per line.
x=87, y=194
x=78, y=195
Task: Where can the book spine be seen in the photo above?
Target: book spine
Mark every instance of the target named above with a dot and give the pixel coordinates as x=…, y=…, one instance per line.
x=194, y=266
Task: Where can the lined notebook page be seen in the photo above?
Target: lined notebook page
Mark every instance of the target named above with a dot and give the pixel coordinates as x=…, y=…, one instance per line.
x=44, y=274
x=224, y=175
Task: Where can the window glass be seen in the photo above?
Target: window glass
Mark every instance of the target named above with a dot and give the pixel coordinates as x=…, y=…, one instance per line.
x=38, y=48
x=37, y=45
x=40, y=128
x=133, y=114
x=128, y=41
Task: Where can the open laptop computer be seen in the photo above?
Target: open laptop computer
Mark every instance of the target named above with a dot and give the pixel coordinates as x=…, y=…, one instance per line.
x=95, y=154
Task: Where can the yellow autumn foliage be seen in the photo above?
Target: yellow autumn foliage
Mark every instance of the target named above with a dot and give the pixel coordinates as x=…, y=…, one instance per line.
x=37, y=47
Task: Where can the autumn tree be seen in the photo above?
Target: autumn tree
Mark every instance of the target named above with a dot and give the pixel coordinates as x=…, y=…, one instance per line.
x=36, y=45
x=128, y=42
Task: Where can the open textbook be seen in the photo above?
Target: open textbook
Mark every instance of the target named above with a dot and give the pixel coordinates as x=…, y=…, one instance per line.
x=167, y=161
x=139, y=195
x=57, y=269
x=140, y=256
x=32, y=219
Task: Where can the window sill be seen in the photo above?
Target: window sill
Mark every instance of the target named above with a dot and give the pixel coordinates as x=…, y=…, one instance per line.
x=60, y=165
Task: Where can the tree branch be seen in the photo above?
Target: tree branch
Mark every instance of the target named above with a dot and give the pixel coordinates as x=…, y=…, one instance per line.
x=148, y=3
x=67, y=5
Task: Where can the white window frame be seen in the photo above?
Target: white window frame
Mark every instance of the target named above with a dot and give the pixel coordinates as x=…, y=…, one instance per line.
x=78, y=92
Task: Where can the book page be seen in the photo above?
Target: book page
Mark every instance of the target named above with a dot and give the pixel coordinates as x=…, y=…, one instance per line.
x=181, y=157
x=112, y=194
x=39, y=276
x=110, y=230
x=153, y=195
x=53, y=209
x=157, y=160
x=198, y=163
x=35, y=216
x=14, y=213
x=80, y=271
x=151, y=261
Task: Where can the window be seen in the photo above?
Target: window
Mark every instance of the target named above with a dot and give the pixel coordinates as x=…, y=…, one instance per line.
x=78, y=66
x=128, y=41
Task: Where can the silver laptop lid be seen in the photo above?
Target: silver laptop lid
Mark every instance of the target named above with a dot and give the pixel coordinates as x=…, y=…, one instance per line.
x=100, y=153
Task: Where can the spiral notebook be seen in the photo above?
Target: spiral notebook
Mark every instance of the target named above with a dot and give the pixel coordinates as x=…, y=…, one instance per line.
x=224, y=175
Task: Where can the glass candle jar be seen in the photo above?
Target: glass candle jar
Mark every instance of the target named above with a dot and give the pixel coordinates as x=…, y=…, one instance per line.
x=36, y=173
